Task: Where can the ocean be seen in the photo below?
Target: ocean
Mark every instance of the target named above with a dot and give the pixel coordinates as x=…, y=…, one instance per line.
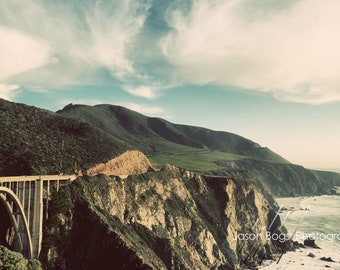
x=321, y=222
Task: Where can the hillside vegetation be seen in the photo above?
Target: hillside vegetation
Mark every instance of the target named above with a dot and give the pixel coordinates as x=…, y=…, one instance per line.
x=155, y=136
x=37, y=141
x=204, y=150
x=197, y=161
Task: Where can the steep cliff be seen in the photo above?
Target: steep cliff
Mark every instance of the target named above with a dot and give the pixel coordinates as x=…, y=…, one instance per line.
x=171, y=219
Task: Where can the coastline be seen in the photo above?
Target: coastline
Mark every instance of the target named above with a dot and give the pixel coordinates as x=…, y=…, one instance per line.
x=322, y=220
x=299, y=259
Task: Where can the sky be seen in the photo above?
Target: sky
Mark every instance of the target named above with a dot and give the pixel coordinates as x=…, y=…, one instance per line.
x=268, y=70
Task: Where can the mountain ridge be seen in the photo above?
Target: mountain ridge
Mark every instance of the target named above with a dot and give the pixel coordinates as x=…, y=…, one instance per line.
x=38, y=141
x=122, y=122
x=202, y=149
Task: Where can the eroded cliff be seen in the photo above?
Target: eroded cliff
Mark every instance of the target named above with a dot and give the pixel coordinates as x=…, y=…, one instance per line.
x=171, y=219
x=130, y=162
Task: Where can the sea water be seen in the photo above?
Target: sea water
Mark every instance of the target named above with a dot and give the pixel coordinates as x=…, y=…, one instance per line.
x=317, y=217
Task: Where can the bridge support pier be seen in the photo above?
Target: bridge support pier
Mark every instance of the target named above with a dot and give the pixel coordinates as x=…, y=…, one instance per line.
x=23, y=197
x=37, y=218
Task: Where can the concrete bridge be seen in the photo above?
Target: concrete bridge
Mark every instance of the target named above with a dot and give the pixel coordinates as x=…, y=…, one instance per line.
x=25, y=199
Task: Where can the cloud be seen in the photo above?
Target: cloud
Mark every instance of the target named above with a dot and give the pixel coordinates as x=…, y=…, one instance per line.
x=148, y=92
x=57, y=43
x=19, y=53
x=7, y=91
x=287, y=48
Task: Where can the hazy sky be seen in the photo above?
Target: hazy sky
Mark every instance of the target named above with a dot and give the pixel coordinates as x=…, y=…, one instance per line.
x=268, y=70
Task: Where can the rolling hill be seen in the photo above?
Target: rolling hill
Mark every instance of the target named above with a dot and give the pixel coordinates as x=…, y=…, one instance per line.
x=204, y=150
x=156, y=136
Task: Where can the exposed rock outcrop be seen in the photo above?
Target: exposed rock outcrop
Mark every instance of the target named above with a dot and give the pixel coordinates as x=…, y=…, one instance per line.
x=310, y=242
x=130, y=162
x=171, y=219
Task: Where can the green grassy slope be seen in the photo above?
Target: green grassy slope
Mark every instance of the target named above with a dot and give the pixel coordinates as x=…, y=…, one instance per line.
x=196, y=161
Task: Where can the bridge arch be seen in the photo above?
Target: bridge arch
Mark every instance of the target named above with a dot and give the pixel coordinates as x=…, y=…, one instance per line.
x=18, y=219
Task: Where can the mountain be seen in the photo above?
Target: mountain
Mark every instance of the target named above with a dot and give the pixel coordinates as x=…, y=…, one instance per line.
x=204, y=150
x=78, y=137
x=37, y=141
x=154, y=135
x=147, y=218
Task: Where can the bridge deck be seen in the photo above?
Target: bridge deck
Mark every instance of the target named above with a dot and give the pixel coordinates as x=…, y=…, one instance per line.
x=36, y=177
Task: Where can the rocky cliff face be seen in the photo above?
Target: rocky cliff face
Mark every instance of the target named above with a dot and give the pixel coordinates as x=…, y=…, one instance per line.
x=171, y=219
x=130, y=162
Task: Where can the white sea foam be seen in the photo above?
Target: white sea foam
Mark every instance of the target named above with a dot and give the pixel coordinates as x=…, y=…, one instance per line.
x=321, y=222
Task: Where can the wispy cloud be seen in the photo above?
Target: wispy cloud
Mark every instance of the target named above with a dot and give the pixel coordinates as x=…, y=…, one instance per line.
x=145, y=91
x=20, y=52
x=7, y=91
x=148, y=92
x=57, y=43
x=288, y=48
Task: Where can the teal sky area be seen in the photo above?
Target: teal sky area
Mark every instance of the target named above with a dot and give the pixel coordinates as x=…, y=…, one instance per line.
x=265, y=70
